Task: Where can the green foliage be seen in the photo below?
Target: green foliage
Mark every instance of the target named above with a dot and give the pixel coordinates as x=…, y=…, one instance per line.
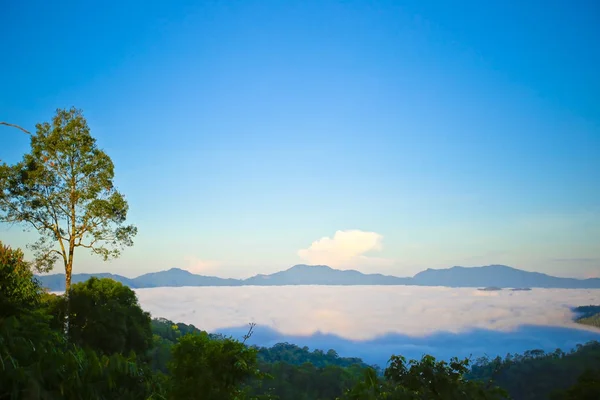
x=587, y=311
x=292, y=372
x=535, y=374
x=165, y=334
x=296, y=373
x=292, y=354
x=29, y=351
x=586, y=388
x=305, y=381
x=18, y=288
x=588, y=315
x=64, y=190
x=423, y=379
x=105, y=315
x=22, y=327
x=215, y=368
x=171, y=331
x=42, y=365
x=594, y=320
x=37, y=362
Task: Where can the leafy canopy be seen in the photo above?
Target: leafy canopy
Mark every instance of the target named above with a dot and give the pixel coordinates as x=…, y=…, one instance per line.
x=424, y=379
x=105, y=316
x=18, y=288
x=38, y=363
x=216, y=368
x=63, y=188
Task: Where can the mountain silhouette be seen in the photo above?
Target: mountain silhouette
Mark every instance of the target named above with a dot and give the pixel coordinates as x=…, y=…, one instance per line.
x=323, y=275
x=498, y=276
x=178, y=277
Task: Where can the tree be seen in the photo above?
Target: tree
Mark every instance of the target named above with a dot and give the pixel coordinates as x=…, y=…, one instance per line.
x=105, y=316
x=424, y=379
x=531, y=378
x=586, y=388
x=36, y=362
x=64, y=190
x=18, y=289
x=216, y=369
x=22, y=327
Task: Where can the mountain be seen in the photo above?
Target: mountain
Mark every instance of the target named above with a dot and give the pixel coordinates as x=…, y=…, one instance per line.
x=56, y=282
x=179, y=277
x=174, y=277
x=497, y=276
x=323, y=275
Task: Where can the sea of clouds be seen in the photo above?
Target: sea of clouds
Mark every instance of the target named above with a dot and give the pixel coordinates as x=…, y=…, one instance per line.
x=374, y=322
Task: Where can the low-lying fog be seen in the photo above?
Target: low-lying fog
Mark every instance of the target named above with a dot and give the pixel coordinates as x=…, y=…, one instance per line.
x=374, y=322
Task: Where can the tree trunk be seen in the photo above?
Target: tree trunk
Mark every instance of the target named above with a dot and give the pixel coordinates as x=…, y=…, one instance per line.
x=68, y=269
x=67, y=279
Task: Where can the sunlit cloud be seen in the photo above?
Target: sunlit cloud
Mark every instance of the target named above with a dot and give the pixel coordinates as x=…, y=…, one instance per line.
x=198, y=266
x=346, y=250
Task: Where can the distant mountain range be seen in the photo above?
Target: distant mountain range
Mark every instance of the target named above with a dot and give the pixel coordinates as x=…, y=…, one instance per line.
x=497, y=276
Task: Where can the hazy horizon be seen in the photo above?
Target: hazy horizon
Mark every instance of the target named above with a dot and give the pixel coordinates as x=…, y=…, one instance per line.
x=56, y=271
x=380, y=136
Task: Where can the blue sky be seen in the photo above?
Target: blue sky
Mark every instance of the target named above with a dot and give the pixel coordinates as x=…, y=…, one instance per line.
x=385, y=136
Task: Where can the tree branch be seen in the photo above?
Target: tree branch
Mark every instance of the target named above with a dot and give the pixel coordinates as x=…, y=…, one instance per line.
x=85, y=228
x=55, y=251
x=56, y=227
x=15, y=126
x=87, y=246
x=18, y=217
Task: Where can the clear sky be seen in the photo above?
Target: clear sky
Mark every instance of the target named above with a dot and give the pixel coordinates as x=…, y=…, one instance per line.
x=386, y=136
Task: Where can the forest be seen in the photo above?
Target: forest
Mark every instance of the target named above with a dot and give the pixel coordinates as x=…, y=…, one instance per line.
x=588, y=315
x=113, y=349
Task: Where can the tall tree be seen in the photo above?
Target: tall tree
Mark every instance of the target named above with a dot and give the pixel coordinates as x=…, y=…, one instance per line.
x=63, y=188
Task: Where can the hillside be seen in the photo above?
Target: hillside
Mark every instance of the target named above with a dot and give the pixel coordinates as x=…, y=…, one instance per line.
x=588, y=315
x=536, y=375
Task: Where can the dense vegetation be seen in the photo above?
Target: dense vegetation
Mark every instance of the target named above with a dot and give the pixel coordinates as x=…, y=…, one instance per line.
x=588, y=315
x=593, y=320
x=114, y=350
x=538, y=375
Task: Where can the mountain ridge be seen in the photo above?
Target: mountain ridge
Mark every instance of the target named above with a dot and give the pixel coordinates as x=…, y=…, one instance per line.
x=500, y=276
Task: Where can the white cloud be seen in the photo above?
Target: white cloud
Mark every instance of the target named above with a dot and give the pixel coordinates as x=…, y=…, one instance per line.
x=345, y=250
x=198, y=266
x=374, y=322
x=366, y=312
